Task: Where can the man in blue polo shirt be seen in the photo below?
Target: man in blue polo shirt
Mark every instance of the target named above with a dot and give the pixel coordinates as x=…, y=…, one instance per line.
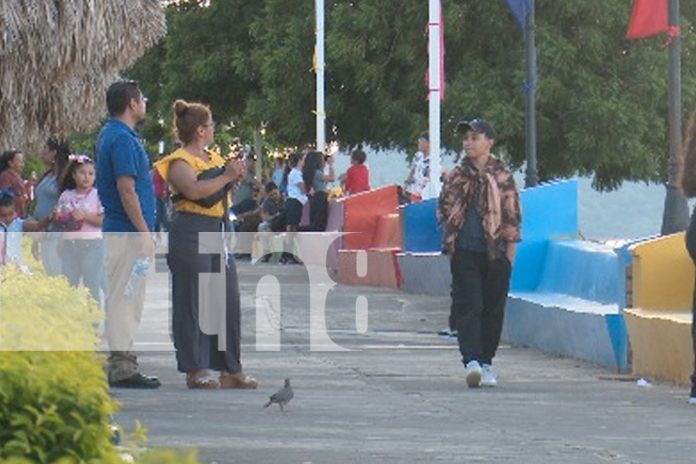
x=127, y=194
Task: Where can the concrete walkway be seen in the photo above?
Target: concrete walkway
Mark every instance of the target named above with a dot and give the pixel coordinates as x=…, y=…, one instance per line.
x=399, y=395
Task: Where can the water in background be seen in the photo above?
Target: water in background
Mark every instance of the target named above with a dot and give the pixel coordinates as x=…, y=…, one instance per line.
x=634, y=210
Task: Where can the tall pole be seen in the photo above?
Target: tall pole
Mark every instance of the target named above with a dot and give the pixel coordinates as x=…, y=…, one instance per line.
x=321, y=112
x=258, y=148
x=676, y=213
x=532, y=177
x=434, y=31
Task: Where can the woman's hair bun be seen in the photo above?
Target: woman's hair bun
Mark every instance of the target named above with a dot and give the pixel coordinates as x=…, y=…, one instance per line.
x=180, y=108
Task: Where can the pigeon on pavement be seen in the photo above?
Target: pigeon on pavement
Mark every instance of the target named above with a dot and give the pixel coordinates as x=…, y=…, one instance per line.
x=282, y=396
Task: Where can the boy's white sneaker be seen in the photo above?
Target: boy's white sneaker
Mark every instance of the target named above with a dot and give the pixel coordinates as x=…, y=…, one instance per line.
x=488, y=376
x=473, y=374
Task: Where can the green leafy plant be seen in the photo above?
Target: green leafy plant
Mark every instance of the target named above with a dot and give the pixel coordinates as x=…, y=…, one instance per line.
x=54, y=400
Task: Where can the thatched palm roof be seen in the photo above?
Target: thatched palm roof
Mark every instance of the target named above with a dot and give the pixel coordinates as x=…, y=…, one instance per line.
x=58, y=57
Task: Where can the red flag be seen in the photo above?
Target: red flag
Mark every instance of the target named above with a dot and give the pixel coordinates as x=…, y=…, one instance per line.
x=649, y=18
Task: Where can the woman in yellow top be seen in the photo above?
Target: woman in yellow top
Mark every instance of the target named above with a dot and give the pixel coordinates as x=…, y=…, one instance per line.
x=206, y=316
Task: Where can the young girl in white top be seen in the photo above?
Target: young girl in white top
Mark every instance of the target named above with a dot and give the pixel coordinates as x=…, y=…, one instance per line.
x=79, y=215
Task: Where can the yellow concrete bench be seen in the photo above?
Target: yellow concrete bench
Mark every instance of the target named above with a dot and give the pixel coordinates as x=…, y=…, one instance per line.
x=661, y=344
x=659, y=319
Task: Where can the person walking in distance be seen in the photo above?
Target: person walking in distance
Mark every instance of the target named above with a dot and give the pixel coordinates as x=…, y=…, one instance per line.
x=479, y=208
x=127, y=195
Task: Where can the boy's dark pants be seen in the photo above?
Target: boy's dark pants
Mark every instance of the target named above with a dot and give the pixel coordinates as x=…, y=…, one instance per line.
x=479, y=293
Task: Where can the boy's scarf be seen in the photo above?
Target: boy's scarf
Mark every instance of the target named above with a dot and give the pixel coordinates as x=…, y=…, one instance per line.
x=458, y=194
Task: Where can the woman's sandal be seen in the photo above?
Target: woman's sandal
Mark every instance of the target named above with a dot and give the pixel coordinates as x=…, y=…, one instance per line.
x=202, y=379
x=238, y=380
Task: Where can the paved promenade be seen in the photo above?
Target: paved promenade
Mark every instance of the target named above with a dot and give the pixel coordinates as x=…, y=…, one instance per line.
x=398, y=395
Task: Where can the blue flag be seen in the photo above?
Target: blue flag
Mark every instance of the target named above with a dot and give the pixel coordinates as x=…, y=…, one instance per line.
x=519, y=9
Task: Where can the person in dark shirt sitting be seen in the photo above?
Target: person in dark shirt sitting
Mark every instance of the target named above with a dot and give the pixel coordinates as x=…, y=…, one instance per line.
x=271, y=209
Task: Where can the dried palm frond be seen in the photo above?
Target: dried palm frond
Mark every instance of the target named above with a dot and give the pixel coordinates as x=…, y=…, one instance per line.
x=58, y=57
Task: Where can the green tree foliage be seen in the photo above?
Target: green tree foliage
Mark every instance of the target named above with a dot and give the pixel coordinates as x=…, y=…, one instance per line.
x=602, y=100
x=376, y=64
x=205, y=57
x=285, y=35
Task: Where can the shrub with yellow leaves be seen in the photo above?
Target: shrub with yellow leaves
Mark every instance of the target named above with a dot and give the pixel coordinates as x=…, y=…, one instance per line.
x=54, y=399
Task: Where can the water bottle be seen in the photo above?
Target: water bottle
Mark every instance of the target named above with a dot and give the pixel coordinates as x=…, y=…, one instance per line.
x=137, y=276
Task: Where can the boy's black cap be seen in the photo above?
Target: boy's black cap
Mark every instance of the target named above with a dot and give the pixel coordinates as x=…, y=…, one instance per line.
x=479, y=125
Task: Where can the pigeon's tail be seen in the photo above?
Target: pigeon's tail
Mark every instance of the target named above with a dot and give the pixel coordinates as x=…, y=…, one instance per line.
x=268, y=404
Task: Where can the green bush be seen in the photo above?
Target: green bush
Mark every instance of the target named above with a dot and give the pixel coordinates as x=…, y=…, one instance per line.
x=54, y=400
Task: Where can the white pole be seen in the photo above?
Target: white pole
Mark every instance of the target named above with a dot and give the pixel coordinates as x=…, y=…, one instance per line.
x=434, y=31
x=321, y=112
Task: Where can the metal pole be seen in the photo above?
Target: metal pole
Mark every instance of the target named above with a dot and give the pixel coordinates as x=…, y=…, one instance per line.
x=258, y=148
x=321, y=112
x=676, y=212
x=532, y=177
x=434, y=31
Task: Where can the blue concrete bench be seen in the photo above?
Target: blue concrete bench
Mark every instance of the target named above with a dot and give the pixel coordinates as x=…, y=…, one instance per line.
x=586, y=270
x=576, y=309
